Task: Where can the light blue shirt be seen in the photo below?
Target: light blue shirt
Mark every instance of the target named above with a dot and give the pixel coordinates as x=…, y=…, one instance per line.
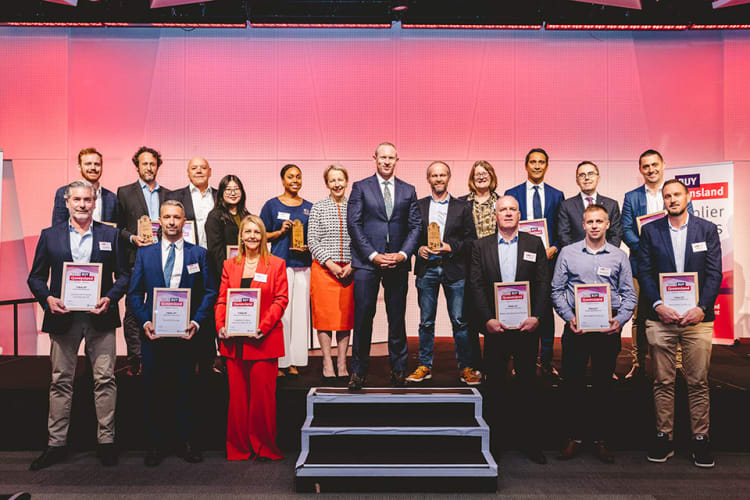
x=152, y=199
x=439, y=213
x=81, y=244
x=679, y=242
x=507, y=254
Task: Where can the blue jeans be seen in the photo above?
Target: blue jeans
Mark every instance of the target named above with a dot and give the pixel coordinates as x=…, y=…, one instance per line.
x=428, y=287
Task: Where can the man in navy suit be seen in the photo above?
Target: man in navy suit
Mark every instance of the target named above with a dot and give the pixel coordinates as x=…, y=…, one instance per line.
x=90, y=162
x=383, y=221
x=444, y=266
x=642, y=200
x=79, y=239
x=680, y=243
x=538, y=200
x=169, y=363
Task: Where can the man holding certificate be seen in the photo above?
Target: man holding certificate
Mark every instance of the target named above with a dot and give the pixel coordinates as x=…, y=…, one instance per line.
x=171, y=294
x=511, y=263
x=79, y=257
x=680, y=273
x=592, y=290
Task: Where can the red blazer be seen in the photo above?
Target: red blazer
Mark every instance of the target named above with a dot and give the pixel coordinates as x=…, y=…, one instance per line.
x=274, y=297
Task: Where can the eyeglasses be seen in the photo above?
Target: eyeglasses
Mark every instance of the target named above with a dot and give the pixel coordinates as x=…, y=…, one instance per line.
x=233, y=190
x=587, y=175
x=480, y=177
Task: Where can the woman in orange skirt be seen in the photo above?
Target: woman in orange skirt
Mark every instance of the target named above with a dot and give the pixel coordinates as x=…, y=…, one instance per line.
x=331, y=275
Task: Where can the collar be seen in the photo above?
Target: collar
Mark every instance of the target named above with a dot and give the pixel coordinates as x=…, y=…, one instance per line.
x=594, y=195
x=145, y=186
x=392, y=180
x=444, y=202
x=530, y=185
x=178, y=244
x=194, y=189
x=72, y=229
x=589, y=251
x=672, y=228
x=658, y=190
x=492, y=199
x=503, y=241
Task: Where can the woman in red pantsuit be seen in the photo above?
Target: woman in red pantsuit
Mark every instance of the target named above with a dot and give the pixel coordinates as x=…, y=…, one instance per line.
x=252, y=362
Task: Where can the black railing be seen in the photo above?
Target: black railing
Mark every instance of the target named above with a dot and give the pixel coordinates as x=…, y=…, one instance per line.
x=14, y=303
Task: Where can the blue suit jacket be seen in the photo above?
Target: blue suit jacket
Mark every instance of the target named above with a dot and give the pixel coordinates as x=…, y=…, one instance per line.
x=60, y=211
x=148, y=274
x=53, y=249
x=657, y=256
x=633, y=207
x=368, y=224
x=552, y=199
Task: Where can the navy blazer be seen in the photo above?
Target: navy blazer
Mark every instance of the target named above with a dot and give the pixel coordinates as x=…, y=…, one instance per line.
x=368, y=224
x=53, y=250
x=657, y=256
x=60, y=212
x=131, y=206
x=184, y=196
x=148, y=274
x=635, y=206
x=570, y=220
x=552, y=199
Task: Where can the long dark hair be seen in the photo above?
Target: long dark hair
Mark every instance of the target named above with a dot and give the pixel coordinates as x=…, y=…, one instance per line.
x=222, y=206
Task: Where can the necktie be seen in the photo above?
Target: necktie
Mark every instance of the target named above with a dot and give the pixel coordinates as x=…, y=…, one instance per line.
x=589, y=201
x=169, y=265
x=537, y=203
x=388, y=199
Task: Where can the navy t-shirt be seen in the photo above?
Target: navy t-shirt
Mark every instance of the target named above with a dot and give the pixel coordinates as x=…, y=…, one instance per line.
x=273, y=214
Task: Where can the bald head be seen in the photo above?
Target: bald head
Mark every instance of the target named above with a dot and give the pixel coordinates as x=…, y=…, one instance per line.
x=507, y=214
x=199, y=172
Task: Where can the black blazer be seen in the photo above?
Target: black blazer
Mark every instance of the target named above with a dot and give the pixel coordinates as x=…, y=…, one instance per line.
x=570, y=220
x=131, y=207
x=53, y=249
x=459, y=232
x=485, y=272
x=219, y=233
x=60, y=211
x=183, y=196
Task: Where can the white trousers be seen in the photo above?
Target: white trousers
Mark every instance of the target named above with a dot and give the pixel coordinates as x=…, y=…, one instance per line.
x=296, y=319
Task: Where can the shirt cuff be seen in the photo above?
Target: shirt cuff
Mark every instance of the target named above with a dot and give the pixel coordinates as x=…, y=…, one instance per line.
x=406, y=257
x=371, y=257
x=132, y=240
x=197, y=326
x=657, y=303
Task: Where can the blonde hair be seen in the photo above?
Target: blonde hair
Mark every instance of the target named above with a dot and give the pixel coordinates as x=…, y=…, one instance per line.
x=263, y=248
x=337, y=168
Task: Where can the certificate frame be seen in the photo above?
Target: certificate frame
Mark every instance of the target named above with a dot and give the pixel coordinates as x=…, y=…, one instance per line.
x=245, y=291
x=691, y=276
x=98, y=269
x=163, y=290
x=648, y=218
x=232, y=251
x=532, y=226
x=190, y=237
x=581, y=287
x=155, y=228
x=512, y=285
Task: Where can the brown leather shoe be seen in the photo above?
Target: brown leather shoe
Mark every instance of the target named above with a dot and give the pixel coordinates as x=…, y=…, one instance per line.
x=570, y=450
x=603, y=453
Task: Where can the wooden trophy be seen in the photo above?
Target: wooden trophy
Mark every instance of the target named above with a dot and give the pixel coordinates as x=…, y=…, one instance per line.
x=145, y=230
x=433, y=236
x=298, y=235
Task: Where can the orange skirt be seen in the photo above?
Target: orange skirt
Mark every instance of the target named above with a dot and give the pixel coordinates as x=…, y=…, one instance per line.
x=332, y=303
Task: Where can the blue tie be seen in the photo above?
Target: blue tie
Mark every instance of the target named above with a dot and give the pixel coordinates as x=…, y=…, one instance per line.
x=537, y=203
x=169, y=266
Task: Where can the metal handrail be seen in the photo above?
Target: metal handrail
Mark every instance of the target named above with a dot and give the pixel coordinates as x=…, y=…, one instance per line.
x=15, y=303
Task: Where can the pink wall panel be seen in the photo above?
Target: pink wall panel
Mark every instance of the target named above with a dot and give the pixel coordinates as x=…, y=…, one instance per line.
x=736, y=75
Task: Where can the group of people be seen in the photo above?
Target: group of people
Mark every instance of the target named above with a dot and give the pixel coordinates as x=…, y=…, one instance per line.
x=332, y=279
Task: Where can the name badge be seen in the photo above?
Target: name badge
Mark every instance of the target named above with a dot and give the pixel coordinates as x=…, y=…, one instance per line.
x=283, y=216
x=193, y=268
x=260, y=277
x=604, y=271
x=699, y=247
x=105, y=246
x=529, y=256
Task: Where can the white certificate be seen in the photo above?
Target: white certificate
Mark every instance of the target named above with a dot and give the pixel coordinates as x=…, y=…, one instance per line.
x=679, y=291
x=593, y=307
x=537, y=227
x=243, y=311
x=188, y=231
x=512, y=303
x=171, y=315
x=81, y=285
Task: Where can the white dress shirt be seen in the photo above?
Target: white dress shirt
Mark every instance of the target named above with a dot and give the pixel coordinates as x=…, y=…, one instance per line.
x=679, y=242
x=202, y=204
x=654, y=200
x=530, y=198
x=98, y=204
x=585, y=202
x=178, y=259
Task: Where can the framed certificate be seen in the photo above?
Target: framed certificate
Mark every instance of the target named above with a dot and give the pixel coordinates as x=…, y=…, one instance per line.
x=155, y=228
x=233, y=251
x=679, y=291
x=243, y=311
x=81, y=285
x=593, y=307
x=171, y=316
x=188, y=231
x=645, y=219
x=512, y=304
x=537, y=227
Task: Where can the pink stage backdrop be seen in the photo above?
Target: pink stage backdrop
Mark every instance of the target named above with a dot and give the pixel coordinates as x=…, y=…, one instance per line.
x=252, y=100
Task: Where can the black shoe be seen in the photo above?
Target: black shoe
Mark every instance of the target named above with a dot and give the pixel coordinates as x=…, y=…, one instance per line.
x=535, y=455
x=570, y=450
x=356, y=382
x=134, y=366
x=548, y=370
x=701, y=455
x=398, y=378
x=50, y=456
x=107, y=454
x=661, y=449
x=603, y=452
x=153, y=457
x=190, y=454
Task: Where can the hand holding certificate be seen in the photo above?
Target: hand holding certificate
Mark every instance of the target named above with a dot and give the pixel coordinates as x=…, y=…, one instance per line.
x=243, y=312
x=171, y=316
x=593, y=307
x=512, y=304
x=679, y=291
x=81, y=286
